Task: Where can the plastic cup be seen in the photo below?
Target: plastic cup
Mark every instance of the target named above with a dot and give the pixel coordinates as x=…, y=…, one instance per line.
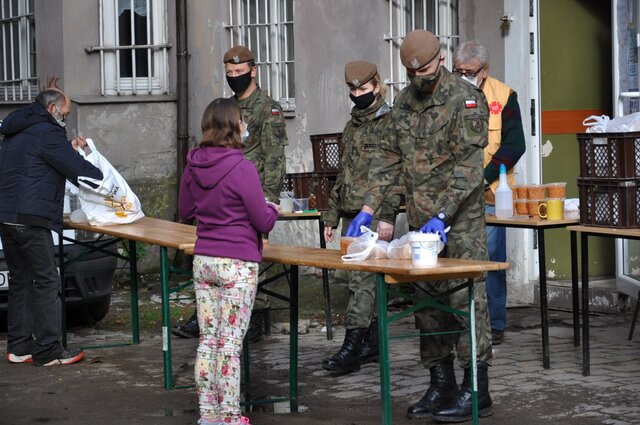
x=521, y=191
x=521, y=207
x=300, y=204
x=536, y=191
x=532, y=206
x=424, y=249
x=286, y=205
x=557, y=190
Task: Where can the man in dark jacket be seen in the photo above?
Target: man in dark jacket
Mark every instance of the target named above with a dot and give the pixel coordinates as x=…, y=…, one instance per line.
x=35, y=161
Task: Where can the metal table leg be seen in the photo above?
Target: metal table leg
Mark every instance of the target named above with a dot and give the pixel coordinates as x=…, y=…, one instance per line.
x=586, y=362
x=383, y=348
x=166, y=319
x=293, y=340
x=574, y=289
x=544, y=318
x=133, y=271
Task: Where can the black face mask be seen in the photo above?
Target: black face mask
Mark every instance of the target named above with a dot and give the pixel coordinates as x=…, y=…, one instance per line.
x=364, y=100
x=240, y=83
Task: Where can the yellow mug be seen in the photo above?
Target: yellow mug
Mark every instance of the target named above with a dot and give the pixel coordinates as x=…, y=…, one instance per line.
x=552, y=209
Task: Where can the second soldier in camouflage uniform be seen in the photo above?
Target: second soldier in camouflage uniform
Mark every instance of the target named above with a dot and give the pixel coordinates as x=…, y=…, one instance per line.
x=369, y=124
x=264, y=146
x=441, y=132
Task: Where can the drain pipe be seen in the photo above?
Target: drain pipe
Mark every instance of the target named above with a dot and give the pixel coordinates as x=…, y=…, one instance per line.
x=182, y=90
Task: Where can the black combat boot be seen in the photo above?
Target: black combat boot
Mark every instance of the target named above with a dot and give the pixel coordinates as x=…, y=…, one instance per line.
x=369, y=351
x=347, y=360
x=442, y=389
x=460, y=408
x=189, y=329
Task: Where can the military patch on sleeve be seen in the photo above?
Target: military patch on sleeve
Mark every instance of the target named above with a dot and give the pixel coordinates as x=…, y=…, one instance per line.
x=475, y=124
x=470, y=103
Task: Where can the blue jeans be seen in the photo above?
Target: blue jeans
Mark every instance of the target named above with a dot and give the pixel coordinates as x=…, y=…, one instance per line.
x=34, y=307
x=497, y=281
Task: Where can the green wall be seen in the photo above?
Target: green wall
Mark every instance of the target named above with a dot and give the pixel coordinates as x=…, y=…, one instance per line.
x=576, y=62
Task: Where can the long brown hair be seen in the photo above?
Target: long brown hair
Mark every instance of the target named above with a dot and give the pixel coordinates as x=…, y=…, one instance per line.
x=221, y=124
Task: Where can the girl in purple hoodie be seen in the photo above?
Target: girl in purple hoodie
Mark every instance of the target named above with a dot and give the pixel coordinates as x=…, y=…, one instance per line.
x=221, y=190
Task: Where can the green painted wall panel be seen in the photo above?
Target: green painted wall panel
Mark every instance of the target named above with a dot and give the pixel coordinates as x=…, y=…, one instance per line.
x=576, y=62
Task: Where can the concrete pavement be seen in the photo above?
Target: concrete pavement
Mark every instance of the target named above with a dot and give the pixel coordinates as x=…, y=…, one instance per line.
x=123, y=385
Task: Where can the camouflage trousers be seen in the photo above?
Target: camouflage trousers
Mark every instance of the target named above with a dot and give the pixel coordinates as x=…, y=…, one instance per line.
x=362, y=292
x=465, y=240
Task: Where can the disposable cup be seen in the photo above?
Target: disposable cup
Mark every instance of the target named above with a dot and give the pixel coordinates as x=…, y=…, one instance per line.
x=535, y=191
x=522, y=207
x=521, y=191
x=557, y=190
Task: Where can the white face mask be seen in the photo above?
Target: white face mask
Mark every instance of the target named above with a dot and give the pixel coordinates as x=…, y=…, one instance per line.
x=469, y=80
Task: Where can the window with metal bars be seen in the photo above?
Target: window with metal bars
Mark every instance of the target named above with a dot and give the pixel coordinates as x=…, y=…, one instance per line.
x=266, y=28
x=438, y=16
x=133, y=47
x=18, y=80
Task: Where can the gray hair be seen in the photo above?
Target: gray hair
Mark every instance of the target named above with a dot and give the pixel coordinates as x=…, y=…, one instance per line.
x=49, y=96
x=469, y=51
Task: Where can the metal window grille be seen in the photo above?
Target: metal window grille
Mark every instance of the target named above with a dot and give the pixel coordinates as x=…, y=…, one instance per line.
x=18, y=79
x=266, y=28
x=133, y=47
x=437, y=16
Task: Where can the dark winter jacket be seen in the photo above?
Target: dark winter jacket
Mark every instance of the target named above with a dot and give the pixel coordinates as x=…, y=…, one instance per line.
x=221, y=189
x=35, y=160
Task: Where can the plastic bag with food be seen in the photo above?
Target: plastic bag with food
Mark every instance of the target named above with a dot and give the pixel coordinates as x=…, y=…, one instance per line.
x=362, y=246
x=400, y=249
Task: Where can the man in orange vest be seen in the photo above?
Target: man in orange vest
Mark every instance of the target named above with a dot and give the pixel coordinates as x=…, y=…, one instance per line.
x=506, y=146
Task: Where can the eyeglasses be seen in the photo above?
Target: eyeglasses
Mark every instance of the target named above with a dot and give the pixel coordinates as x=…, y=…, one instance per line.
x=467, y=73
x=63, y=115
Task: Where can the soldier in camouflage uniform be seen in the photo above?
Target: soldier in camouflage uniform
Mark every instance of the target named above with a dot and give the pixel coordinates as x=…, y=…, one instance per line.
x=264, y=146
x=437, y=154
x=369, y=124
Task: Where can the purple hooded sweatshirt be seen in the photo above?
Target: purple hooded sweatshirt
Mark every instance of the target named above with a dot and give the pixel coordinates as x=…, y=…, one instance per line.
x=221, y=190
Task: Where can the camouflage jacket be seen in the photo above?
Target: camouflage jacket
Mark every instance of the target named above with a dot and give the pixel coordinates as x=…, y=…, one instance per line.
x=267, y=139
x=437, y=153
x=361, y=138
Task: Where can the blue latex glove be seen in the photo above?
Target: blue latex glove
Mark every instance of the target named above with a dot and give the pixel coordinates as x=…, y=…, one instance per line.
x=435, y=225
x=362, y=219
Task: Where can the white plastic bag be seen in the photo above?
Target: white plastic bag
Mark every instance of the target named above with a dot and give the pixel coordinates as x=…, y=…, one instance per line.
x=362, y=247
x=603, y=124
x=110, y=200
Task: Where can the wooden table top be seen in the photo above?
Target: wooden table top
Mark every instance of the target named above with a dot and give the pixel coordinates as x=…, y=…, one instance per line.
x=299, y=216
x=150, y=230
x=608, y=231
x=529, y=221
x=396, y=271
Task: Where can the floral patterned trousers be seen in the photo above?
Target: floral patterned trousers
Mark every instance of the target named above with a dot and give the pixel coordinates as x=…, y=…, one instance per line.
x=225, y=291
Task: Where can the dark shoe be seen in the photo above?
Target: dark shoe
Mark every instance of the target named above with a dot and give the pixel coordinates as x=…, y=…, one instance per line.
x=66, y=357
x=497, y=336
x=369, y=352
x=460, y=409
x=347, y=360
x=442, y=389
x=189, y=329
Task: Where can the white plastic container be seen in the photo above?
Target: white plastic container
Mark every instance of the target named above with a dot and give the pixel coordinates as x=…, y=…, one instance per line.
x=286, y=205
x=504, y=196
x=424, y=249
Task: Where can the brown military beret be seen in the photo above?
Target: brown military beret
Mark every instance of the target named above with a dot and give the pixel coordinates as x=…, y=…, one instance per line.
x=358, y=73
x=419, y=48
x=238, y=54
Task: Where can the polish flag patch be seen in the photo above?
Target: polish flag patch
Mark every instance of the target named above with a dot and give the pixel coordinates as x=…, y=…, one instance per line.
x=470, y=103
x=275, y=111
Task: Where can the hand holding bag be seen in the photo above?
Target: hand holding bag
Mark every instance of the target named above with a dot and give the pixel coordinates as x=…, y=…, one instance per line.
x=110, y=200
